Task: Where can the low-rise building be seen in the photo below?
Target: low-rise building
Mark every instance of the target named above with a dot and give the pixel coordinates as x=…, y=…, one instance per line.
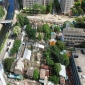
x=29, y=72
x=73, y=36
x=53, y=42
x=62, y=74
x=19, y=67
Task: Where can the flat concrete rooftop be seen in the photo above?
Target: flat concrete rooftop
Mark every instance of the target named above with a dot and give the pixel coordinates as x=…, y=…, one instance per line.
x=80, y=61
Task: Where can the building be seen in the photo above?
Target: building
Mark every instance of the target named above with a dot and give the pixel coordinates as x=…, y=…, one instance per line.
x=2, y=80
x=66, y=5
x=30, y=3
x=19, y=67
x=62, y=75
x=78, y=67
x=73, y=36
x=52, y=42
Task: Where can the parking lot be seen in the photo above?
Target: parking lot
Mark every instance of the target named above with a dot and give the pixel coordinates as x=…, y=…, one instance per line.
x=80, y=62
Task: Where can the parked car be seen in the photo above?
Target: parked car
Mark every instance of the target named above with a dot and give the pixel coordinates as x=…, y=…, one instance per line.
x=79, y=70
x=76, y=56
x=83, y=51
x=9, y=43
x=7, y=49
x=78, y=67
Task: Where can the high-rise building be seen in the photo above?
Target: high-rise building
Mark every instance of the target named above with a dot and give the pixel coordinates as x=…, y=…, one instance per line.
x=66, y=5
x=30, y=3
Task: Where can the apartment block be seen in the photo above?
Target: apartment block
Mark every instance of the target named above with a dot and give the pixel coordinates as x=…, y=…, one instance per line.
x=30, y=3
x=73, y=36
x=66, y=5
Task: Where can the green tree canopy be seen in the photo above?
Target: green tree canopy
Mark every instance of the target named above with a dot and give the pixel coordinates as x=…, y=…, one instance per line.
x=8, y=63
x=60, y=45
x=54, y=79
x=16, y=30
x=26, y=21
x=39, y=36
x=20, y=18
x=49, y=7
x=16, y=46
x=83, y=5
x=57, y=29
x=57, y=68
x=2, y=12
x=36, y=74
x=65, y=59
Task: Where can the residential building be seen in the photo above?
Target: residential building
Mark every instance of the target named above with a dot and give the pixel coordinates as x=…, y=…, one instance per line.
x=19, y=67
x=30, y=3
x=73, y=36
x=66, y=5
x=29, y=72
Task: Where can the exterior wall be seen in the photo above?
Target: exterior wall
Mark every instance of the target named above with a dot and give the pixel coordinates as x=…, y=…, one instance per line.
x=75, y=72
x=29, y=3
x=66, y=5
x=73, y=38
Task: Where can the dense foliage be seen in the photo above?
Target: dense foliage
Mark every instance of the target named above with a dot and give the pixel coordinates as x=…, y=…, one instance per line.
x=2, y=12
x=16, y=46
x=54, y=79
x=8, y=63
x=36, y=74
x=16, y=30
x=77, y=10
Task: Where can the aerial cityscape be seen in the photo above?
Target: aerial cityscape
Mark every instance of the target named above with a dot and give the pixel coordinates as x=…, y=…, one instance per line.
x=42, y=42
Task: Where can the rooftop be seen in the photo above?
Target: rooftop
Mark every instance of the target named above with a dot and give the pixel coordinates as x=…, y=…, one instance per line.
x=27, y=54
x=73, y=30
x=80, y=61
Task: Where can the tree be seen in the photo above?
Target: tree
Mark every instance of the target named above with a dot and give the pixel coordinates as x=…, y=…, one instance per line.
x=2, y=12
x=60, y=45
x=36, y=74
x=17, y=24
x=57, y=5
x=66, y=59
x=55, y=53
x=49, y=61
x=26, y=21
x=74, y=11
x=57, y=68
x=20, y=18
x=8, y=63
x=77, y=4
x=57, y=29
x=40, y=29
x=32, y=33
x=16, y=46
x=28, y=27
x=16, y=30
x=83, y=5
x=49, y=7
x=39, y=36
x=54, y=79
x=42, y=9
x=80, y=11
x=35, y=7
